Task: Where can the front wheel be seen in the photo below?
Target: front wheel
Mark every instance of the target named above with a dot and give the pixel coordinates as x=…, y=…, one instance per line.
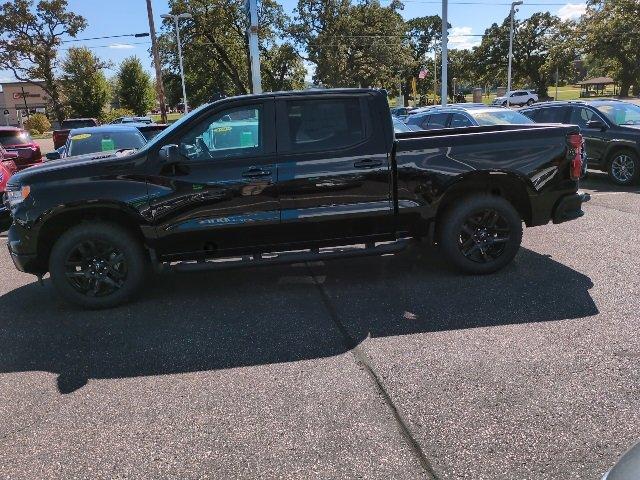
x=481, y=234
x=624, y=168
x=97, y=265
x=530, y=102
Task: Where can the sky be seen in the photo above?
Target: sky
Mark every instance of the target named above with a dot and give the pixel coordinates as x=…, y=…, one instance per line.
x=468, y=19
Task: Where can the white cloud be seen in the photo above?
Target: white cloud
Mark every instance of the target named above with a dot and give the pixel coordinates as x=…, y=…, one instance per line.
x=459, y=38
x=572, y=11
x=121, y=46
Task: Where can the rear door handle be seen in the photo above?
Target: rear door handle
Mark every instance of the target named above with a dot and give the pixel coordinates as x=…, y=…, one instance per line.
x=367, y=163
x=255, y=172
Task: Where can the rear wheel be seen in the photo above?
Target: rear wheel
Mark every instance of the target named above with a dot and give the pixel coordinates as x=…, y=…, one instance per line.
x=624, y=168
x=481, y=234
x=97, y=265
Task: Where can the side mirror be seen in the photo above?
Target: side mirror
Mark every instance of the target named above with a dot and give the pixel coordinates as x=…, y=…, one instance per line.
x=170, y=154
x=596, y=125
x=55, y=155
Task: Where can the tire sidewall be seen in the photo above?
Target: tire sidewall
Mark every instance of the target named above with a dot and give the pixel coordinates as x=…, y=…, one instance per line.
x=452, y=224
x=636, y=173
x=122, y=240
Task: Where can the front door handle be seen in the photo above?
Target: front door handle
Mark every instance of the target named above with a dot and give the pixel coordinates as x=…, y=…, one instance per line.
x=255, y=172
x=367, y=163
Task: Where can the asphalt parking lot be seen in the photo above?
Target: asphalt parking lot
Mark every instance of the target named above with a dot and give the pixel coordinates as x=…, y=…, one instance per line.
x=388, y=367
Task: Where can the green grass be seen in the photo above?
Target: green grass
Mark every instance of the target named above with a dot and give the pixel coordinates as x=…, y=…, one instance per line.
x=171, y=117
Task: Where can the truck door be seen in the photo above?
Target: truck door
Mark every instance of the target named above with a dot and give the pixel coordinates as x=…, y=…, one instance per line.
x=334, y=171
x=224, y=193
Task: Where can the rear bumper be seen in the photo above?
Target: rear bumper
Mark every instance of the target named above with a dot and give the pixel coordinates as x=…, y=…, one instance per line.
x=570, y=207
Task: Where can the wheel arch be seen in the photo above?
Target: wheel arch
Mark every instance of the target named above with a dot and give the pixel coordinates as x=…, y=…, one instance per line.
x=503, y=184
x=54, y=223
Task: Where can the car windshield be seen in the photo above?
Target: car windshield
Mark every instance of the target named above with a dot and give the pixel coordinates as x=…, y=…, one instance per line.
x=14, y=137
x=499, y=117
x=168, y=131
x=621, y=113
x=94, y=142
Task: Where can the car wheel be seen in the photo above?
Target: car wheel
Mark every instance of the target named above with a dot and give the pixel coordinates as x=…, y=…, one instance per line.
x=481, y=234
x=504, y=104
x=624, y=167
x=97, y=265
x=531, y=101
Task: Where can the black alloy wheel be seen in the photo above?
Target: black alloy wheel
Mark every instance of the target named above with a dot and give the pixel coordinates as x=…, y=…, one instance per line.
x=96, y=268
x=484, y=236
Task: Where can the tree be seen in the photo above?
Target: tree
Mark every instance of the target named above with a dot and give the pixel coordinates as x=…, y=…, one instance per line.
x=609, y=31
x=84, y=83
x=215, y=50
x=423, y=37
x=29, y=41
x=353, y=45
x=134, y=88
x=540, y=45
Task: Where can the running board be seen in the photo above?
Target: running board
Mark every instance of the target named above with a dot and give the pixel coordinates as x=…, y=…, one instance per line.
x=312, y=255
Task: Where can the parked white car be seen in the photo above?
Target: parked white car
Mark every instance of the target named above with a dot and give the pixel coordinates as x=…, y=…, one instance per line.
x=517, y=97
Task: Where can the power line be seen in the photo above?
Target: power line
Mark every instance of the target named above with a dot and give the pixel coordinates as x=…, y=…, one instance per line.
x=111, y=45
x=137, y=35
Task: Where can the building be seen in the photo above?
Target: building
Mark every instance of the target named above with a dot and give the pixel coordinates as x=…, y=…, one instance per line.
x=18, y=99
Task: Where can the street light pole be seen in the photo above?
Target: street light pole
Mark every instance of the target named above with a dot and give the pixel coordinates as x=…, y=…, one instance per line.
x=445, y=39
x=176, y=19
x=513, y=10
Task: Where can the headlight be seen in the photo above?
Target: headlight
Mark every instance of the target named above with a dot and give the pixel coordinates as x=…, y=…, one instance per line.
x=17, y=195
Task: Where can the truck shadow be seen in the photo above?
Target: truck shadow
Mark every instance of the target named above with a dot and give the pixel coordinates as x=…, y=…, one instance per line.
x=218, y=320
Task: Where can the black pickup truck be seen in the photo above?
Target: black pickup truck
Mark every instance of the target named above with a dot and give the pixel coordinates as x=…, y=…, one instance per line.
x=281, y=177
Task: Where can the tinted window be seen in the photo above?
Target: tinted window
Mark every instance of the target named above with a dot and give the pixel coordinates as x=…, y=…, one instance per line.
x=84, y=143
x=438, y=120
x=580, y=116
x=78, y=123
x=232, y=132
x=316, y=125
x=14, y=137
x=552, y=115
x=459, y=120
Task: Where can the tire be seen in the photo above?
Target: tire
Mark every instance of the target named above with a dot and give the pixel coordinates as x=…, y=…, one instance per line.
x=97, y=265
x=504, y=104
x=531, y=101
x=624, y=167
x=480, y=234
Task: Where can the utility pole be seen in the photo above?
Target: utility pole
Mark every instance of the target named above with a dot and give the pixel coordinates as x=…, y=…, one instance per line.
x=156, y=62
x=254, y=52
x=556, y=99
x=435, y=74
x=176, y=20
x=445, y=60
x=513, y=11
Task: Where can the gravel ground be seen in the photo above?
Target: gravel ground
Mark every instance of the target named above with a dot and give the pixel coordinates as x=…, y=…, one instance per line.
x=389, y=367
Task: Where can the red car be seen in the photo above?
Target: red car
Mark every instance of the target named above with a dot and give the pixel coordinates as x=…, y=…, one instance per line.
x=17, y=140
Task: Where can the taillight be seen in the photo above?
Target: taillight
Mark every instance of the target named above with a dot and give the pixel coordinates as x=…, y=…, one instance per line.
x=575, y=142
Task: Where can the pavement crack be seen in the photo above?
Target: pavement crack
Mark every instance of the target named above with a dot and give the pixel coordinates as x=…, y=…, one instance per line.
x=363, y=360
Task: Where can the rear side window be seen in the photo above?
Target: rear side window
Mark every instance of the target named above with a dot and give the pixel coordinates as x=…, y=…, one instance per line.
x=438, y=120
x=331, y=124
x=459, y=120
x=551, y=115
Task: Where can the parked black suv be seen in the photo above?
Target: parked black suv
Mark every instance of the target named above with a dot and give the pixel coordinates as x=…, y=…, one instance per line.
x=277, y=178
x=611, y=130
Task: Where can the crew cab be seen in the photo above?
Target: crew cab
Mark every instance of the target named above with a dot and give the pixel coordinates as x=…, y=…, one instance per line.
x=288, y=177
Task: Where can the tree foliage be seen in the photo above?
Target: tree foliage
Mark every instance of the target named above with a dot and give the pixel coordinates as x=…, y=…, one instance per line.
x=134, y=88
x=216, y=55
x=352, y=44
x=85, y=86
x=30, y=35
x=609, y=32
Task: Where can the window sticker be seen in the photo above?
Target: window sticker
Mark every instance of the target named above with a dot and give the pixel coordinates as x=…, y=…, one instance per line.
x=107, y=144
x=81, y=136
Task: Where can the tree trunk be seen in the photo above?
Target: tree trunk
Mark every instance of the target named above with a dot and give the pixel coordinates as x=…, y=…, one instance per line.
x=625, y=85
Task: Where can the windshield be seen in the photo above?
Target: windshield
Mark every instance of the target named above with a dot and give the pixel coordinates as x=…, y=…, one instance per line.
x=622, y=113
x=84, y=143
x=499, y=117
x=399, y=126
x=166, y=132
x=15, y=137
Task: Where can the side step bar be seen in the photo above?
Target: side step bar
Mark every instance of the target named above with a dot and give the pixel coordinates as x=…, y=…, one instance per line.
x=280, y=258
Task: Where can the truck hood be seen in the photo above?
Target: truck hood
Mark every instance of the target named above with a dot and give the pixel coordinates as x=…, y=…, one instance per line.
x=68, y=164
